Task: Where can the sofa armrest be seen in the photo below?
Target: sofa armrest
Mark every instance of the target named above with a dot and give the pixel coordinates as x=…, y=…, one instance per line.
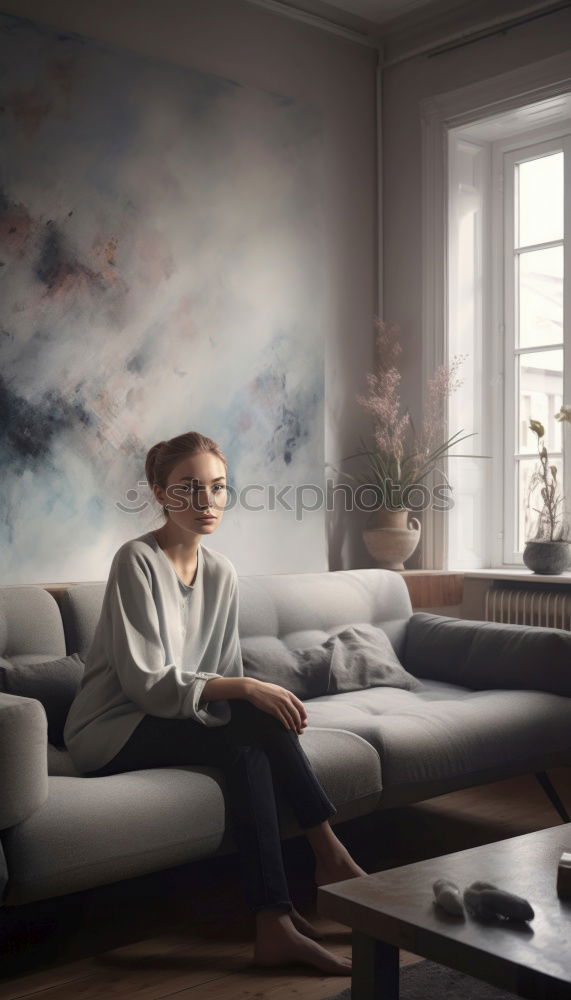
x=486, y=655
x=23, y=758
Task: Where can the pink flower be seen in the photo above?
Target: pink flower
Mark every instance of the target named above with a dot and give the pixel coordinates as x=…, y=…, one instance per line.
x=383, y=400
x=443, y=383
x=393, y=433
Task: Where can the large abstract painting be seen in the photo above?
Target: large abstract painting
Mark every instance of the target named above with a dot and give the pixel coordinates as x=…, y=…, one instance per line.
x=161, y=270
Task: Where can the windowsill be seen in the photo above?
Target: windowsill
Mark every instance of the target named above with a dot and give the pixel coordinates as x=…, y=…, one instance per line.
x=431, y=572
x=514, y=573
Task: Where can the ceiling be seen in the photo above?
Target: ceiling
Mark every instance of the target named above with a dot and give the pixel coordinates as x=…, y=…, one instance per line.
x=379, y=11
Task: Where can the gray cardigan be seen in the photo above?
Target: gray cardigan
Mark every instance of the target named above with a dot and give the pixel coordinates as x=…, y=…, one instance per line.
x=158, y=641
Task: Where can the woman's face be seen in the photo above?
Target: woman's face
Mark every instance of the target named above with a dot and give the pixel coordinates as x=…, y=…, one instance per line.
x=196, y=487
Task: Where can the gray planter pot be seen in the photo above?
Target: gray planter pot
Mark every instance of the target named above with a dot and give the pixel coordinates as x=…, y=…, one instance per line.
x=548, y=558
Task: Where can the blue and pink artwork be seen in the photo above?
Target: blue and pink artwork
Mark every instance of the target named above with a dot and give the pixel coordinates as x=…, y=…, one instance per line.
x=161, y=270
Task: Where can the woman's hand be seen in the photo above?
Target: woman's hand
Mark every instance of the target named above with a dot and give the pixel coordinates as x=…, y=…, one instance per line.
x=277, y=701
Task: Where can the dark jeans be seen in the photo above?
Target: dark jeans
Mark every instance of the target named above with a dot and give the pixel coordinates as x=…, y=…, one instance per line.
x=252, y=750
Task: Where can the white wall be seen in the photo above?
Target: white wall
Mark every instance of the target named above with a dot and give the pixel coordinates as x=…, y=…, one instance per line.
x=405, y=85
x=251, y=45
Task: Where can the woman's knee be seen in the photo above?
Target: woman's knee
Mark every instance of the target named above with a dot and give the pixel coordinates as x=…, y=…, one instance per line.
x=256, y=718
x=239, y=758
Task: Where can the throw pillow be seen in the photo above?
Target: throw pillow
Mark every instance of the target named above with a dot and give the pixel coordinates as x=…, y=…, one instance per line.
x=54, y=684
x=351, y=659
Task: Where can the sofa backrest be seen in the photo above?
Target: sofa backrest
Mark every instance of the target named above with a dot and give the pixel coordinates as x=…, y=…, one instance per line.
x=303, y=609
x=299, y=608
x=80, y=608
x=31, y=629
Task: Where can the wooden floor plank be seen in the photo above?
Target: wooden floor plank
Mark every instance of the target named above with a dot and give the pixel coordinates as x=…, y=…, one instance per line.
x=143, y=971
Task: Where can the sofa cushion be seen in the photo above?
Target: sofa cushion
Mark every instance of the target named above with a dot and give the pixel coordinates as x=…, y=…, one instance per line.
x=92, y=831
x=488, y=655
x=447, y=736
x=302, y=609
x=30, y=625
x=351, y=658
x=23, y=758
x=60, y=762
x=54, y=684
x=80, y=607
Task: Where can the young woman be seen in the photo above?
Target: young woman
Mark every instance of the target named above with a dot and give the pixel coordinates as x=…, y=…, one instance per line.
x=164, y=685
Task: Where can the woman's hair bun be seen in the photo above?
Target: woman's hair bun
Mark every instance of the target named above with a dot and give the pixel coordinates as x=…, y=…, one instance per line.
x=150, y=461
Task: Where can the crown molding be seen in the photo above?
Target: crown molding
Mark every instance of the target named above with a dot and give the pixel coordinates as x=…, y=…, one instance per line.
x=408, y=40
x=401, y=36
x=370, y=40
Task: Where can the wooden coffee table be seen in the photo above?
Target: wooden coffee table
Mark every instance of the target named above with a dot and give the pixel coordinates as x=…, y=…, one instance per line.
x=394, y=909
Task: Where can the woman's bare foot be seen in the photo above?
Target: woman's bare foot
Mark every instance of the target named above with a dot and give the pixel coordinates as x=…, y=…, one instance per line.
x=304, y=927
x=336, y=866
x=279, y=942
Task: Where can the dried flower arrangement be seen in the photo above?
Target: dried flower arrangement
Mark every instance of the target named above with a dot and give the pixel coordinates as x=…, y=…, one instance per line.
x=399, y=457
x=551, y=525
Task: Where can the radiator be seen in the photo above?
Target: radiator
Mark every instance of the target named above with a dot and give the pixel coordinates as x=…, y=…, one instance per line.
x=529, y=606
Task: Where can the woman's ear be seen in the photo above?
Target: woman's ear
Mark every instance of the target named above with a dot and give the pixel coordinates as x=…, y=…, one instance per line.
x=159, y=494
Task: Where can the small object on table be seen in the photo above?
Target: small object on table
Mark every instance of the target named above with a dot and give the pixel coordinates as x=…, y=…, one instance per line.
x=485, y=900
x=564, y=875
x=448, y=896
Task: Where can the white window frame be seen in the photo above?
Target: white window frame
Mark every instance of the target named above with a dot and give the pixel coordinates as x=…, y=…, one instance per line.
x=547, y=80
x=468, y=322
x=505, y=155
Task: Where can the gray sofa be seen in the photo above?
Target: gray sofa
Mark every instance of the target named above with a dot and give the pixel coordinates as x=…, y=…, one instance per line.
x=487, y=711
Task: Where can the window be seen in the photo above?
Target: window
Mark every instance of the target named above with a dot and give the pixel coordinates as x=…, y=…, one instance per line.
x=509, y=310
x=535, y=355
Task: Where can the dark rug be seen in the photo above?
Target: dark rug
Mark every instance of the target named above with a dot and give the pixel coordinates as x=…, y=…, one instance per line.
x=426, y=980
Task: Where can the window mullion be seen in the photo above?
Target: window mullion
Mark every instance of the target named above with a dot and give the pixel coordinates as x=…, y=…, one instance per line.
x=510, y=464
x=496, y=357
x=532, y=247
x=541, y=349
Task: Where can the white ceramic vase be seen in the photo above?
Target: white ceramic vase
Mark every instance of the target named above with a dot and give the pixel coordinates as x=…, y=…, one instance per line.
x=391, y=536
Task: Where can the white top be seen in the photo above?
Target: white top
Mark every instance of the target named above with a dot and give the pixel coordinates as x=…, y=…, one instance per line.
x=158, y=641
